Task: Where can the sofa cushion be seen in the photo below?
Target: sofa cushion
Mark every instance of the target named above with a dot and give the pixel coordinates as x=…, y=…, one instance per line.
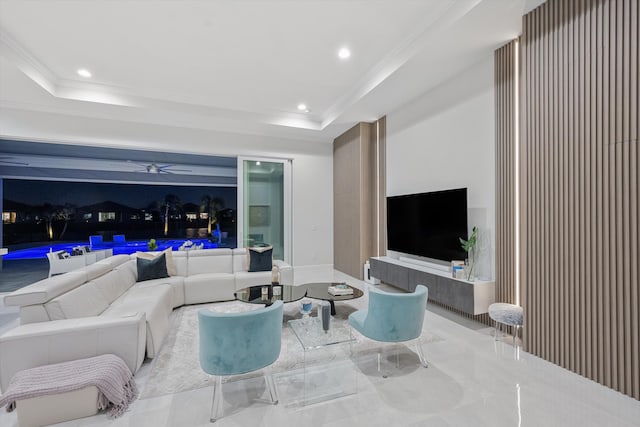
x=260, y=258
x=149, y=269
x=245, y=278
x=95, y=270
x=180, y=261
x=113, y=284
x=205, y=261
x=177, y=288
x=83, y=301
x=129, y=270
x=113, y=261
x=209, y=287
x=168, y=253
x=155, y=303
x=47, y=289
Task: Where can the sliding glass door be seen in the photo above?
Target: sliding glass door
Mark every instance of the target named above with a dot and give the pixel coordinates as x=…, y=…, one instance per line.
x=264, y=204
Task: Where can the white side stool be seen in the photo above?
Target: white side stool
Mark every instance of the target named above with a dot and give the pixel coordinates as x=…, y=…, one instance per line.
x=506, y=314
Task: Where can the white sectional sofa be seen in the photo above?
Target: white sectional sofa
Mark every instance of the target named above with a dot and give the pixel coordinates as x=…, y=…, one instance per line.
x=102, y=308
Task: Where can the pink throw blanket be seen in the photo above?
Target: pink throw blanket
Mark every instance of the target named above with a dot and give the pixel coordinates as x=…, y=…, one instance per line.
x=109, y=373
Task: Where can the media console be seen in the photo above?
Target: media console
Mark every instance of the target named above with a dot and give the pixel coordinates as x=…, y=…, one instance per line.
x=469, y=297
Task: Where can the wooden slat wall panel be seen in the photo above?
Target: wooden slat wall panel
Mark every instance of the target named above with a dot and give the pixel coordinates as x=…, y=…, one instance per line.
x=381, y=207
x=504, y=66
x=359, y=177
x=579, y=187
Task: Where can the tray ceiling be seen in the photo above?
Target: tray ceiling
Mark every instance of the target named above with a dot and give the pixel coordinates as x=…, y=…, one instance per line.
x=243, y=66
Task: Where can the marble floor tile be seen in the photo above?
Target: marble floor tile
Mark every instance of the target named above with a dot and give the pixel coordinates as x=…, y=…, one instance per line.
x=472, y=380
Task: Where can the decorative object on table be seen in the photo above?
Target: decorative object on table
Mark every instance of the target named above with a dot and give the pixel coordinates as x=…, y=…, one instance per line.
x=340, y=289
x=277, y=292
x=306, y=306
x=152, y=245
x=260, y=258
x=469, y=247
x=324, y=312
x=455, y=266
x=275, y=275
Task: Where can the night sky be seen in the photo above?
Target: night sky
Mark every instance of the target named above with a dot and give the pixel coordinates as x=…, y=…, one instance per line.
x=88, y=193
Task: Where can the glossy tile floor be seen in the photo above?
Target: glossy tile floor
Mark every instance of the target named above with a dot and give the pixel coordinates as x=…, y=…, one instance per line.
x=472, y=380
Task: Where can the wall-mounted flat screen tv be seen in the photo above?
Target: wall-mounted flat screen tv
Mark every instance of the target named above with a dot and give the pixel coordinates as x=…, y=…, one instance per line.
x=428, y=224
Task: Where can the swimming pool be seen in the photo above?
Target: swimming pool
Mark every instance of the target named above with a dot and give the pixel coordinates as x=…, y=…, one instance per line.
x=126, y=248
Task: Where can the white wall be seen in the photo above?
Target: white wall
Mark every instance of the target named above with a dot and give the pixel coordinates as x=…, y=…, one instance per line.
x=312, y=174
x=446, y=139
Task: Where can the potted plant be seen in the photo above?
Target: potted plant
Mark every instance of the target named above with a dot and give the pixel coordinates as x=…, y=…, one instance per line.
x=469, y=247
x=152, y=245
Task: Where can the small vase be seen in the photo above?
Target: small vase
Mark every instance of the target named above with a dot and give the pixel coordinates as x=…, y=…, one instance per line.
x=467, y=270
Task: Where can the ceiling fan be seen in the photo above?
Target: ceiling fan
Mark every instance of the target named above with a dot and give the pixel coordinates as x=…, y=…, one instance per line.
x=154, y=167
x=7, y=162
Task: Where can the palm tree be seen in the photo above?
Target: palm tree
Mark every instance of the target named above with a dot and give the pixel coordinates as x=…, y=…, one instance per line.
x=171, y=202
x=211, y=205
x=65, y=213
x=48, y=213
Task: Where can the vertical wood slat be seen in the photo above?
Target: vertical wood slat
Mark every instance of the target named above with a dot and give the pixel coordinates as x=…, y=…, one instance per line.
x=579, y=187
x=505, y=91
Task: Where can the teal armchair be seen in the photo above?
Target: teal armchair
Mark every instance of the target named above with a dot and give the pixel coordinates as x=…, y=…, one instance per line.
x=237, y=343
x=392, y=317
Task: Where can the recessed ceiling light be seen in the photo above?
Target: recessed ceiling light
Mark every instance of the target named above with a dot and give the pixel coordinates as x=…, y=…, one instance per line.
x=303, y=107
x=257, y=163
x=344, y=53
x=84, y=72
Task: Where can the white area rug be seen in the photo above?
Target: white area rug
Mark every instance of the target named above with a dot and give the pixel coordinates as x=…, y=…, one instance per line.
x=177, y=368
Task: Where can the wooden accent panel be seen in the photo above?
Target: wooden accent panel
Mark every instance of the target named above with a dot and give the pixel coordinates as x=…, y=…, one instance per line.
x=359, y=196
x=579, y=188
x=346, y=202
x=380, y=248
x=505, y=98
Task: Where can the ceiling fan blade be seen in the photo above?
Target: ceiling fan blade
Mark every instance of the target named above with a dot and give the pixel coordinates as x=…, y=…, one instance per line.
x=180, y=170
x=4, y=162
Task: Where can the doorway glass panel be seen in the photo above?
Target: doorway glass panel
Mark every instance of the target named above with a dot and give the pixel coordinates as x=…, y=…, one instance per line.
x=264, y=205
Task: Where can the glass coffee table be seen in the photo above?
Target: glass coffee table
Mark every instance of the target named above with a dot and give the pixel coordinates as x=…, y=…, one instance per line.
x=264, y=294
x=328, y=371
x=320, y=290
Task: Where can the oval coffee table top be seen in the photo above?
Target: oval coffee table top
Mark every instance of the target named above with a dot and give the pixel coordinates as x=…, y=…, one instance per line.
x=253, y=294
x=289, y=293
x=320, y=290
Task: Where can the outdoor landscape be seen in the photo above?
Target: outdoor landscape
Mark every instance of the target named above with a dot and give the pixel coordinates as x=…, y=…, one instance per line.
x=38, y=211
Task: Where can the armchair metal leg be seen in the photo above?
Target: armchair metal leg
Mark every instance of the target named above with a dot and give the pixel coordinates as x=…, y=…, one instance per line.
x=216, y=404
x=272, y=387
x=423, y=359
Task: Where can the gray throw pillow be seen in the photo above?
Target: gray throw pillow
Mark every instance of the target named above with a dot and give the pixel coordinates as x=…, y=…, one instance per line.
x=149, y=269
x=260, y=260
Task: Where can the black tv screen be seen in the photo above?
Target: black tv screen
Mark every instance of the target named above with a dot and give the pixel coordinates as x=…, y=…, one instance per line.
x=428, y=224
